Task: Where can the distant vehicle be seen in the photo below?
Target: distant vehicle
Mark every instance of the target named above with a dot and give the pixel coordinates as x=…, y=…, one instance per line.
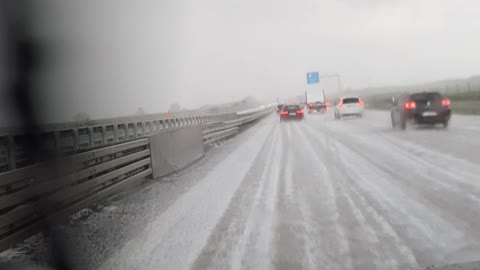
x=317, y=107
x=279, y=108
x=316, y=101
x=349, y=106
x=292, y=112
x=421, y=108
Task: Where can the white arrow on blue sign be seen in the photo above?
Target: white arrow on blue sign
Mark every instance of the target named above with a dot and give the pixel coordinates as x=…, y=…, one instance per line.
x=313, y=78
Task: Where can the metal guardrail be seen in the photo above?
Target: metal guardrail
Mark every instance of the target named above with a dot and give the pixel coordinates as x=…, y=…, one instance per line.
x=75, y=137
x=100, y=162
x=31, y=195
x=221, y=130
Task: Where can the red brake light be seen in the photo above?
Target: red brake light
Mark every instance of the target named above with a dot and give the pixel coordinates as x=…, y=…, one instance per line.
x=284, y=112
x=410, y=105
x=446, y=102
x=341, y=103
x=310, y=105
x=361, y=102
x=300, y=112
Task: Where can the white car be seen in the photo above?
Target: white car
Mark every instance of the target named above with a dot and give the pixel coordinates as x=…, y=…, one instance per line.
x=349, y=106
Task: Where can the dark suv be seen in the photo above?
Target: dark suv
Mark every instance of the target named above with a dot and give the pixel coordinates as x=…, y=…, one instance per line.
x=420, y=108
x=279, y=108
x=317, y=107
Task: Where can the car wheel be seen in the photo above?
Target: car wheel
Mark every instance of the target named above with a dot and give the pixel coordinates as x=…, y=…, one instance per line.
x=403, y=125
x=445, y=124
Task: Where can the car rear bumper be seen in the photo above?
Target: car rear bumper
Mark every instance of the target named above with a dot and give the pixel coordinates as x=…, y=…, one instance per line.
x=350, y=112
x=317, y=109
x=419, y=118
x=291, y=117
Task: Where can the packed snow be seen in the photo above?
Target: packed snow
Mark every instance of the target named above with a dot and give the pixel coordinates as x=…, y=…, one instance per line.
x=316, y=194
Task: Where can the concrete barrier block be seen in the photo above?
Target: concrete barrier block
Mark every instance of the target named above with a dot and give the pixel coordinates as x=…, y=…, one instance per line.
x=173, y=150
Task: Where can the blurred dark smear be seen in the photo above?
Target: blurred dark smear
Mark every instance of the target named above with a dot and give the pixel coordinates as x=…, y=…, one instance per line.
x=24, y=57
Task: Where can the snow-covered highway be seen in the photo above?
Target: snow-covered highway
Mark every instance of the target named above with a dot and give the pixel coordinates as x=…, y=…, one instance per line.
x=317, y=194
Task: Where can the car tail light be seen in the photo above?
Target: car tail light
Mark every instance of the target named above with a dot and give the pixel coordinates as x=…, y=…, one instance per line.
x=284, y=112
x=410, y=105
x=361, y=102
x=446, y=102
x=310, y=105
x=300, y=112
x=340, y=104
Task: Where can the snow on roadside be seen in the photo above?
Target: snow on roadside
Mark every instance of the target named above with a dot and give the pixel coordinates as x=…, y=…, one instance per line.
x=168, y=241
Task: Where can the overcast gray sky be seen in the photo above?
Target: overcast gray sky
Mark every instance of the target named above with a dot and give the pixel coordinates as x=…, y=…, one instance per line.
x=118, y=55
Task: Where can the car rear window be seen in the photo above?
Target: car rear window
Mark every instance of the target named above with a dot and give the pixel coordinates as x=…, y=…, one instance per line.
x=291, y=107
x=350, y=100
x=424, y=97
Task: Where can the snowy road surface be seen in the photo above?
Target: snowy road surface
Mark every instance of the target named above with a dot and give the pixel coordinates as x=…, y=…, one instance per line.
x=321, y=194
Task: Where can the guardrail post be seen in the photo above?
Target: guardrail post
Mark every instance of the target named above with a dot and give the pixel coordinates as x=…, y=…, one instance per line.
x=76, y=139
x=104, y=135
x=12, y=163
x=90, y=136
x=161, y=125
x=115, y=132
x=56, y=138
x=135, y=130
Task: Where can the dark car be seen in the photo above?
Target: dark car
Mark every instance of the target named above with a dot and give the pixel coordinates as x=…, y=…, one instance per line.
x=317, y=107
x=293, y=112
x=421, y=108
x=279, y=108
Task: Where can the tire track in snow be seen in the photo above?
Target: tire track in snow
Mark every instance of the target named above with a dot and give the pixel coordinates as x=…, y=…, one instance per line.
x=257, y=251
x=453, y=196
x=372, y=238
x=325, y=238
x=242, y=239
x=421, y=215
x=292, y=230
x=289, y=243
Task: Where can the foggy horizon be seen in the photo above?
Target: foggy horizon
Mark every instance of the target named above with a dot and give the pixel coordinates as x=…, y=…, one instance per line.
x=113, y=57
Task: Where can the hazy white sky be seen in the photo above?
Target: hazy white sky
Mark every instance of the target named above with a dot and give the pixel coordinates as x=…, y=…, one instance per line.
x=118, y=55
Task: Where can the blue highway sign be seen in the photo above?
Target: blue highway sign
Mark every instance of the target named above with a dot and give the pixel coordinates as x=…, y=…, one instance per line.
x=313, y=78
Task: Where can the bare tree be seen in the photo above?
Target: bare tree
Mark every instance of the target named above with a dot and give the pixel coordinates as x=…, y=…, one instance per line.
x=81, y=117
x=140, y=111
x=175, y=107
